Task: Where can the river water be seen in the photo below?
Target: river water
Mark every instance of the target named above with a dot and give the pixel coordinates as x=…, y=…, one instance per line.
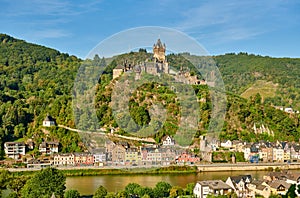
x=87, y=185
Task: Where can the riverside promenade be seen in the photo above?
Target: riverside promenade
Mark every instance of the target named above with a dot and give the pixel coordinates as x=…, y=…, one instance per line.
x=216, y=167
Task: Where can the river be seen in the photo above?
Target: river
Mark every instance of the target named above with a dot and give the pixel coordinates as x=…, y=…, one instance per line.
x=87, y=185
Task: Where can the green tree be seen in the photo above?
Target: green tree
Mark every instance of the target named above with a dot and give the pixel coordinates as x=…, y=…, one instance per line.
x=291, y=192
x=72, y=194
x=131, y=188
x=141, y=191
x=122, y=194
x=5, y=178
x=44, y=183
x=162, y=189
x=110, y=195
x=176, y=191
x=13, y=195
x=101, y=192
x=189, y=190
x=17, y=183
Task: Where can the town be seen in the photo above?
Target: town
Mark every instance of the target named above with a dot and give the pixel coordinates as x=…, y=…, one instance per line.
x=273, y=183
x=123, y=153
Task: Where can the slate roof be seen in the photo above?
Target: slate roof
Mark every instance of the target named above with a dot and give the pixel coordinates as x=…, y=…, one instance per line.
x=276, y=183
x=48, y=118
x=215, y=184
x=237, y=179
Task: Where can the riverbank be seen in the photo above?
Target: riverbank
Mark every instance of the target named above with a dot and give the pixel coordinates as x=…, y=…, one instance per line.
x=97, y=171
x=248, y=167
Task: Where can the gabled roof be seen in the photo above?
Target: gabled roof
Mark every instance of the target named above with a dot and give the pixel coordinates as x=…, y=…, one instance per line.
x=167, y=136
x=296, y=147
x=277, y=175
x=237, y=179
x=261, y=187
x=48, y=118
x=215, y=184
x=256, y=182
x=277, y=183
x=293, y=176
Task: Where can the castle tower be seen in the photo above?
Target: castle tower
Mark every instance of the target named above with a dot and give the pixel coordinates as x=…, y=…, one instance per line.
x=159, y=51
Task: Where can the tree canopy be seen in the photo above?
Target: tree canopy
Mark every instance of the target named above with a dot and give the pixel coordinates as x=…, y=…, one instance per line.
x=44, y=184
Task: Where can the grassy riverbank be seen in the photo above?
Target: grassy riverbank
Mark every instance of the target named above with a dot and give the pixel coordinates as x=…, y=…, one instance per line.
x=124, y=171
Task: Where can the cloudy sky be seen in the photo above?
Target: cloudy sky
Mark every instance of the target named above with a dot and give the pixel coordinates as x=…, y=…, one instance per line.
x=264, y=27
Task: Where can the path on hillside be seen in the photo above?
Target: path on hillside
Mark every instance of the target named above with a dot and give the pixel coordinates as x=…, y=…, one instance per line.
x=150, y=140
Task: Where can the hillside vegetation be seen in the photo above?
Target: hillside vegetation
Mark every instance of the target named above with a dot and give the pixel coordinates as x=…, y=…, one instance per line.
x=36, y=81
x=241, y=71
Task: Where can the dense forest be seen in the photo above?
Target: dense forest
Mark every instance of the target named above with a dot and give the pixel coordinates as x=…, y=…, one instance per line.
x=36, y=81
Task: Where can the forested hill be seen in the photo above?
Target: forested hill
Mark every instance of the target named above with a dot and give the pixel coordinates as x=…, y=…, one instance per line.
x=276, y=79
x=36, y=81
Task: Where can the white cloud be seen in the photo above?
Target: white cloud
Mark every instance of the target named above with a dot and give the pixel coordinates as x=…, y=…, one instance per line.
x=232, y=20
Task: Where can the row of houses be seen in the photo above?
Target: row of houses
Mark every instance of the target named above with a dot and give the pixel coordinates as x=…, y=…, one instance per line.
x=123, y=154
x=263, y=150
x=16, y=150
x=276, y=183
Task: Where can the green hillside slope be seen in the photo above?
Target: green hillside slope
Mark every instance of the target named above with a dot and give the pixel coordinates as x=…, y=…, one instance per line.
x=36, y=81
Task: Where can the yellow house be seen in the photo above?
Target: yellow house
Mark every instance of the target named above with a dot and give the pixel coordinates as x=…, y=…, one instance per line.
x=132, y=156
x=279, y=187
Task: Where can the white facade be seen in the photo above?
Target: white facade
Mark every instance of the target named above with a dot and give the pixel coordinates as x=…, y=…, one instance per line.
x=168, y=141
x=63, y=159
x=200, y=191
x=49, y=147
x=99, y=157
x=212, y=187
x=14, y=150
x=278, y=154
x=226, y=144
x=48, y=121
x=247, y=152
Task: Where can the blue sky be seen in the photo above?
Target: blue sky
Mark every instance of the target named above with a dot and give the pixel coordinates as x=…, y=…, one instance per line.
x=265, y=27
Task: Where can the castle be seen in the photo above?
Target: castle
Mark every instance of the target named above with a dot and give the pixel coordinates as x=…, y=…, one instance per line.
x=158, y=65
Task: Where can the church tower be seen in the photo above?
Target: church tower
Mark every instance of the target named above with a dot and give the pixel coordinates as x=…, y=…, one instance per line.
x=159, y=51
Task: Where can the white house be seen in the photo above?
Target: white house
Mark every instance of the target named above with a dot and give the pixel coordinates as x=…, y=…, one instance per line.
x=14, y=149
x=226, y=144
x=278, y=154
x=211, y=187
x=247, y=152
x=99, y=156
x=168, y=141
x=239, y=184
x=48, y=147
x=48, y=121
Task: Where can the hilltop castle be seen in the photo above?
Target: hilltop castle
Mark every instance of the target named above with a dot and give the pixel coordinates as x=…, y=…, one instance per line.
x=158, y=65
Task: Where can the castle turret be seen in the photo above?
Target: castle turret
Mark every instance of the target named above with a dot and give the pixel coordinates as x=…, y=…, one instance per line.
x=159, y=51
